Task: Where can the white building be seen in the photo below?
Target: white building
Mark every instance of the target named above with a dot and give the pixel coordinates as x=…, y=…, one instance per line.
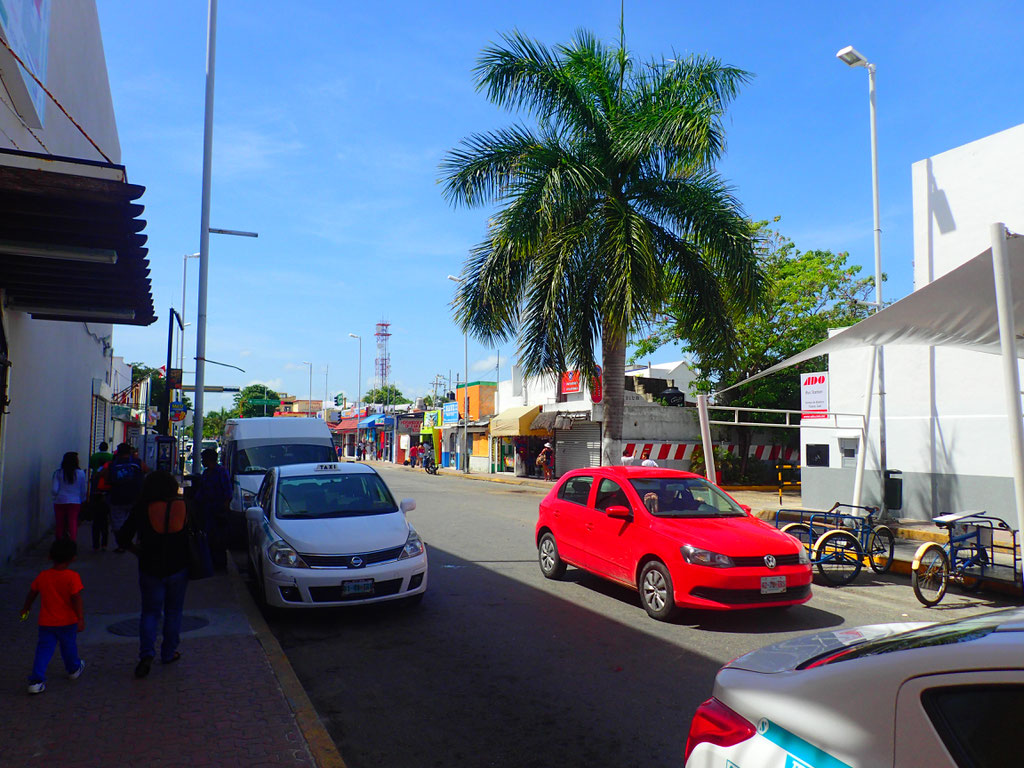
x=946, y=426
x=72, y=261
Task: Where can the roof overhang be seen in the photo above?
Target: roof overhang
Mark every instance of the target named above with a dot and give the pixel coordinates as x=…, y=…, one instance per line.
x=71, y=242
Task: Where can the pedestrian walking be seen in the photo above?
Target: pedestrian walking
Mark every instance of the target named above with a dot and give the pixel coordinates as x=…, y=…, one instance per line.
x=125, y=476
x=546, y=461
x=213, y=500
x=98, y=504
x=156, y=531
x=61, y=616
x=70, y=490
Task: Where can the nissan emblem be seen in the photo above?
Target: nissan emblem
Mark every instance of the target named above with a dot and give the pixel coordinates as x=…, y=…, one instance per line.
x=357, y=562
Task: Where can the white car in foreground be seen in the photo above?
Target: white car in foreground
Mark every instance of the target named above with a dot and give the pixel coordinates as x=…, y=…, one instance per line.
x=331, y=534
x=936, y=695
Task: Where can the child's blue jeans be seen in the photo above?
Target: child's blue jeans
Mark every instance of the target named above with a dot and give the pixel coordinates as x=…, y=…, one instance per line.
x=49, y=638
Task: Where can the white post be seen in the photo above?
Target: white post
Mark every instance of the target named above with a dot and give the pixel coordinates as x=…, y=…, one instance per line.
x=858, y=477
x=1011, y=375
x=204, y=235
x=879, y=351
x=465, y=407
x=705, y=436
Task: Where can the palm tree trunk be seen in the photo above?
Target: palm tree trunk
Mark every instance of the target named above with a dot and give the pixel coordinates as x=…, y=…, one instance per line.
x=613, y=355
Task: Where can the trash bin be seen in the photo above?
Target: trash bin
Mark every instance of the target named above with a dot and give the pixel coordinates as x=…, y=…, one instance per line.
x=893, y=489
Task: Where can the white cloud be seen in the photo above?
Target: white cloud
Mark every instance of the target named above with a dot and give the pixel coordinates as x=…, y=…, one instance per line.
x=488, y=363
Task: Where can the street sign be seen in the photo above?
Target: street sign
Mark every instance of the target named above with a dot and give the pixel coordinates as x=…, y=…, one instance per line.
x=597, y=393
x=814, y=395
x=264, y=401
x=174, y=378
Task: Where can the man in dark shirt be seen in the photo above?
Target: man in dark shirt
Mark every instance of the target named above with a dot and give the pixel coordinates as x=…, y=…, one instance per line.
x=213, y=499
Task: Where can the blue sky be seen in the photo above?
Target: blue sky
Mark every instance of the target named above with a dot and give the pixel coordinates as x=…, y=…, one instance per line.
x=331, y=119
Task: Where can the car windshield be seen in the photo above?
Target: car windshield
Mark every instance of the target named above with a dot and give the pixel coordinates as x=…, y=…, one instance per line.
x=684, y=497
x=333, y=495
x=256, y=460
x=959, y=631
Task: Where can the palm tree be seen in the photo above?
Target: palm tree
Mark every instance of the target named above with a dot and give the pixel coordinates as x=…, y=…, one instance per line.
x=606, y=209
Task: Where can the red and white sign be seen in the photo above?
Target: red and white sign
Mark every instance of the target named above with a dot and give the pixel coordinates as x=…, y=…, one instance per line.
x=684, y=451
x=597, y=391
x=814, y=395
x=572, y=382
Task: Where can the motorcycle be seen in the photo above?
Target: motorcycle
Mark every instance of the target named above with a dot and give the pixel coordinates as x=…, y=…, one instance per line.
x=430, y=466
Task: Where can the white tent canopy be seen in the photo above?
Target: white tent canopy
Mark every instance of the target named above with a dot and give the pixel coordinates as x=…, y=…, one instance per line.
x=956, y=310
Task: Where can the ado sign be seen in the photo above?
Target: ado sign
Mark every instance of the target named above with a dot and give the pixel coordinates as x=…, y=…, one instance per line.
x=814, y=395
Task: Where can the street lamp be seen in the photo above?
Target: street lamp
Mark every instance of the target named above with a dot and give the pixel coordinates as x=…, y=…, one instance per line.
x=465, y=394
x=184, y=282
x=309, y=403
x=853, y=58
x=359, y=384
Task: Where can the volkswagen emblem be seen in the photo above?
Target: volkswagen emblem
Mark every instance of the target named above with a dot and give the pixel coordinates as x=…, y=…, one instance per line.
x=769, y=560
x=357, y=562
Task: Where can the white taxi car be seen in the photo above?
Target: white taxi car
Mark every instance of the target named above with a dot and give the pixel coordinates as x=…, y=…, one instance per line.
x=330, y=535
x=939, y=695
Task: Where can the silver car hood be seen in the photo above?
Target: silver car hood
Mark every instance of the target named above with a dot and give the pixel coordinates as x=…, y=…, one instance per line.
x=344, y=535
x=787, y=655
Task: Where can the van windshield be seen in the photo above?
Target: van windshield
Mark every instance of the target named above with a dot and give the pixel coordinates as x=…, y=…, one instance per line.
x=258, y=459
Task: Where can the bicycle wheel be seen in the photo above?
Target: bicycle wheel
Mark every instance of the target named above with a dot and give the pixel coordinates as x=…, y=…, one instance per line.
x=838, y=557
x=881, y=544
x=930, y=573
x=799, y=531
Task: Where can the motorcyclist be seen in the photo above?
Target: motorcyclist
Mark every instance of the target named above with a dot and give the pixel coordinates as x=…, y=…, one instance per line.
x=428, y=457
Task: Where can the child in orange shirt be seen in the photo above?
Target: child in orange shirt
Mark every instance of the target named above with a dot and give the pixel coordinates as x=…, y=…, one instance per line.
x=60, y=614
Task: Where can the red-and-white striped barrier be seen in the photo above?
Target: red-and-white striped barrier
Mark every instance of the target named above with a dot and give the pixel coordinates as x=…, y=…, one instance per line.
x=683, y=451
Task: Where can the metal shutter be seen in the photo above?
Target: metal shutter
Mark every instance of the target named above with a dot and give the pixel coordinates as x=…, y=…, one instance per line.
x=99, y=423
x=578, y=447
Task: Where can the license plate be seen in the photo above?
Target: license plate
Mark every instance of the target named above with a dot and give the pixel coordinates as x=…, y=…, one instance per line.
x=773, y=585
x=357, y=587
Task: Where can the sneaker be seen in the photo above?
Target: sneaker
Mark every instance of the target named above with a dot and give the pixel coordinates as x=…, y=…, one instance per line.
x=78, y=672
x=36, y=687
x=142, y=668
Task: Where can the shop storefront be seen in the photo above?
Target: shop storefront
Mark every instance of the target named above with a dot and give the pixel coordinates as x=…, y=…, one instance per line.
x=409, y=427
x=515, y=443
x=577, y=439
x=376, y=434
x=345, y=436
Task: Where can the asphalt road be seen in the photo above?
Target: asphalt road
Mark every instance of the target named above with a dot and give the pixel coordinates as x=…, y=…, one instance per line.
x=501, y=667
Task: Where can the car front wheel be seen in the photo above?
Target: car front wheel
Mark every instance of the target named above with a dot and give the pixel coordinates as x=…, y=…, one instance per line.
x=656, y=591
x=551, y=565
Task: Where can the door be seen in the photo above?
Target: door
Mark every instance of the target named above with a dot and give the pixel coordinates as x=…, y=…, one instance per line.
x=569, y=512
x=577, y=448
x=611, y=538
x=960, y=719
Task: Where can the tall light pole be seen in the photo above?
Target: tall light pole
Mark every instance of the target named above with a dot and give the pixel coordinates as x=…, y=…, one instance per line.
x=359, y=384
x=326, y=371
x=852, y=57
x=465, y=394
x=184, y=282
x=309, y=403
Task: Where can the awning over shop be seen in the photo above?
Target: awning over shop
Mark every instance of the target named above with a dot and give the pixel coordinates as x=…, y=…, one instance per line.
x=71, y=245
x=347, y=424
x=547, y=421
x=515, y=421
x=375, y=421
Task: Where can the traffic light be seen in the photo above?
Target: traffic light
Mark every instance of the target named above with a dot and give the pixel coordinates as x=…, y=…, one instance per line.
x=339, y=399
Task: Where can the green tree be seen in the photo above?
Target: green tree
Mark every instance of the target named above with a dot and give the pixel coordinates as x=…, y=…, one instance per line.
x=810, y=292
x=214, y=421
x=247, y=409
x=610, y=207
x=389, y=394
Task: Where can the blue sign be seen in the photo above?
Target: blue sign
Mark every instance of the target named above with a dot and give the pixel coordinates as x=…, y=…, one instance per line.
x=451, y=412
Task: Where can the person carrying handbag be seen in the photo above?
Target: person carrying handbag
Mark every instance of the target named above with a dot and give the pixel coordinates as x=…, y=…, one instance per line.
x=157, y=531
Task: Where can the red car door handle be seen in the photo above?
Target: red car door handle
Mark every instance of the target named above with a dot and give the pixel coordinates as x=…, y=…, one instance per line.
x=590, y=526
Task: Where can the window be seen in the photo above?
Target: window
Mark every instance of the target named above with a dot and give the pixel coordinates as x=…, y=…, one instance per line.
x=257, y=459
x=334, y=495
x=609, y=494
x=684, y=497
x=979, y=724
x=576, y=489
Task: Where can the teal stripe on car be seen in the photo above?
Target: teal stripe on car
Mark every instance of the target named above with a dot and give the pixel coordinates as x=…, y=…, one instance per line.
x=809, y=755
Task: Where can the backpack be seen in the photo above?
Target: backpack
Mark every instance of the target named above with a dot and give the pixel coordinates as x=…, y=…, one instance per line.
x=125, y=482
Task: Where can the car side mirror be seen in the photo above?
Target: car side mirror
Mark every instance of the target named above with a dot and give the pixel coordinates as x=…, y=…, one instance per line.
x=254, y=514
x=745, y=508
x=619, y=512
x=407, y=505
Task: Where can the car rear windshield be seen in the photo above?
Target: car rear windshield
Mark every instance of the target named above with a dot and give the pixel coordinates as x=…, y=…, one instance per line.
x=960, y=631
x=256, y=460
x=333, y=495
x=684, y=497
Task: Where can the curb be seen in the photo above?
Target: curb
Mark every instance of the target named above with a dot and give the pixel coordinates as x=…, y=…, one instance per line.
x=321, y=745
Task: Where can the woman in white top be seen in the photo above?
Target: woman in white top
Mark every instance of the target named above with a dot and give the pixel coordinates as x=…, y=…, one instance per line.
x=69, y=493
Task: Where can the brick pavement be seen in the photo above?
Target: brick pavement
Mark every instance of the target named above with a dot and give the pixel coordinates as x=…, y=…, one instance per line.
x=223, y=704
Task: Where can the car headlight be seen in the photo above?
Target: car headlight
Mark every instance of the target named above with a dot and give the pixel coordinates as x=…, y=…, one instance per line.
x=803, y=558
x=247, y=498
x=696, y=556
x=282, y=553
x=413, y=546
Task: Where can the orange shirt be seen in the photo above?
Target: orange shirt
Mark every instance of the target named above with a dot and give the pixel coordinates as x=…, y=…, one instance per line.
x=55, y=587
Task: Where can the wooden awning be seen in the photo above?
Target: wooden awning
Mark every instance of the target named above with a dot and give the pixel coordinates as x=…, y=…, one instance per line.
x=71, y=242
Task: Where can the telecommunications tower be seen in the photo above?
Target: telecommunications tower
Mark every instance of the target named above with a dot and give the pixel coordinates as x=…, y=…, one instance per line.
x=382, y=365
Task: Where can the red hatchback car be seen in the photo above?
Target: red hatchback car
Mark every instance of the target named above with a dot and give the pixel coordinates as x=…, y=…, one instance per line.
x=673, y=536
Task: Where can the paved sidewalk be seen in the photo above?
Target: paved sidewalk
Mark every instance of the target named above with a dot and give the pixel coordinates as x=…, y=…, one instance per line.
x=231, y=701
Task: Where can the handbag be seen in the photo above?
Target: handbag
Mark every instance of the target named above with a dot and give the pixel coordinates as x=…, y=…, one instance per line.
x=200, y=561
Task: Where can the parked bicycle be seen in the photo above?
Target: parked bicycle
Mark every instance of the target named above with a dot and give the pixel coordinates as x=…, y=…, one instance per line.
x=840, y=539
x=969, y=557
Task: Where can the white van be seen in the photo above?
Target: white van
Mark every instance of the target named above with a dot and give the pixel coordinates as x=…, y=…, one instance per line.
x=252, y=446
